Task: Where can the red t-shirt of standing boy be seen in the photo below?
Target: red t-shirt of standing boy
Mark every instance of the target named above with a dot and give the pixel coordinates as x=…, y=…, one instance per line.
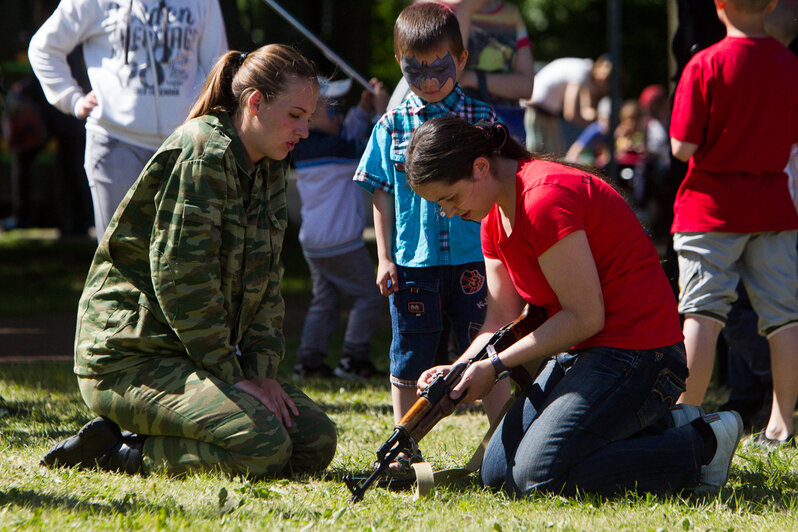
x=553, y=201
x=738, y=101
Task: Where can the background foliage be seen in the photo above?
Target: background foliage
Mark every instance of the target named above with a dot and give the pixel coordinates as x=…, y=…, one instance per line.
x=361, y=31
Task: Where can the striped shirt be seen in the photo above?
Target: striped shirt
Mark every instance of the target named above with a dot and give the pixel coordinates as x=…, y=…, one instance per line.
x=423, y=235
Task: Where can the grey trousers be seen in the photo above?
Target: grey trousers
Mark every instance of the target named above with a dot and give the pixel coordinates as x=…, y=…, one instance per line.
x=349, y=276
x=112, y=166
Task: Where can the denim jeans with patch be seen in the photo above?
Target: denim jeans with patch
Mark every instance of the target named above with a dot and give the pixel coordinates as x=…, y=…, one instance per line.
x=425, y=295
x=597, y=421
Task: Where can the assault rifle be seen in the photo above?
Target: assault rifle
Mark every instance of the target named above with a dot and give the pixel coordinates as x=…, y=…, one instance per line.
x=434, y=403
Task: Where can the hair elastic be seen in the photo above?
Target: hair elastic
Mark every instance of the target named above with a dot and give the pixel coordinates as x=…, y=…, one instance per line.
x=504, y=130
x=241, y=57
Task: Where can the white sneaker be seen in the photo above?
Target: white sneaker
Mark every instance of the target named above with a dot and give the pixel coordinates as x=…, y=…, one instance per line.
x=683, y=414
x=728, y=429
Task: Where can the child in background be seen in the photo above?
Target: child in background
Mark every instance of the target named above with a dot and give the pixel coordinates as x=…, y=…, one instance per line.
x=656, y=199
x=630, y=135
x=145, y=62
x=566, y=91
x=592, y=147
x=333, y=218
x=429, y=265
x=653, y=101
x=630, y=151
x=734, y=119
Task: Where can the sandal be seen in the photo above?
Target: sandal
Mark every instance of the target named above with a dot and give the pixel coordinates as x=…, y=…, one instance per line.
x=761, y=440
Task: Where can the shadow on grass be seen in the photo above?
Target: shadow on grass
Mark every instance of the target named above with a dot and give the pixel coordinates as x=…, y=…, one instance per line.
x=760, y=492
x=756, y=492
x=43, y=275
x=33, y=499
x=26, y=423
x=359, y=408
x=23, y=438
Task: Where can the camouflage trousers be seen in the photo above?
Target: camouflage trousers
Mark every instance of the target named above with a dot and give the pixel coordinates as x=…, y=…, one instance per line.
x=194, y=421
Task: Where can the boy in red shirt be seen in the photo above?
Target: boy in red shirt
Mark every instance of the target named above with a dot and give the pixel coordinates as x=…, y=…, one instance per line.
x=734, y=118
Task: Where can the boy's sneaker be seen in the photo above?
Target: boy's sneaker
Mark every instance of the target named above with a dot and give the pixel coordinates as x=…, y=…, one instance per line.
x=761, y=440
x=684, y=414
x=302, y=371
x=728, y=429
x=351, y=369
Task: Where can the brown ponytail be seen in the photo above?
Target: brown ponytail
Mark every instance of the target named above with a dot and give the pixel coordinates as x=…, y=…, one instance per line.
x=236, y=75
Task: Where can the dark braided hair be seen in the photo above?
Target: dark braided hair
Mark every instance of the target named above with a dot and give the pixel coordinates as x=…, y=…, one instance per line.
x=444, y=149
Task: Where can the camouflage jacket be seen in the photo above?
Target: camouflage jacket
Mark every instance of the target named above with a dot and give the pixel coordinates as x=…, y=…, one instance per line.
x=190, y=263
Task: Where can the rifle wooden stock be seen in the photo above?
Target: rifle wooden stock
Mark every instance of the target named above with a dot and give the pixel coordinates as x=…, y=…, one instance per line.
x=435, y=403
x=431, y=407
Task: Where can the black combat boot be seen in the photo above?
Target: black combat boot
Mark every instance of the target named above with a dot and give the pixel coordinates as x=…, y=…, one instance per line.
x=95, y=439
x=125, y=457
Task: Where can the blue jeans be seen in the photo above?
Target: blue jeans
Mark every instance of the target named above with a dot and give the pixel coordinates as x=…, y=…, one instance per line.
x=581, y=427
x=425, y=295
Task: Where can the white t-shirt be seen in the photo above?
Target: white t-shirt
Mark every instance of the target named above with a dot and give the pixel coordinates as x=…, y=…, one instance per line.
x=551, y=81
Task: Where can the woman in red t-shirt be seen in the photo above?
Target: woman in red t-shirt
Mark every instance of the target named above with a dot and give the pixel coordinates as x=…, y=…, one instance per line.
x=561, y=238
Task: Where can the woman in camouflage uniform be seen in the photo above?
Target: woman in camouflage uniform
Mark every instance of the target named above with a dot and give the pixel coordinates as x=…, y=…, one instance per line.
x=179, y=329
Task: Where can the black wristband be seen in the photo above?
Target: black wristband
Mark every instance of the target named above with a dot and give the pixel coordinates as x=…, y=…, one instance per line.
x=498, y=366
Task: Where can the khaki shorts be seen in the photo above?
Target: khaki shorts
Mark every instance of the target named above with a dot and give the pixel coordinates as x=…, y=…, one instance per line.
x=711, y=264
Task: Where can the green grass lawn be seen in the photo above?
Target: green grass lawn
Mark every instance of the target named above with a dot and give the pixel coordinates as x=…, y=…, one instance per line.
x=40, y=404
x=39, y=274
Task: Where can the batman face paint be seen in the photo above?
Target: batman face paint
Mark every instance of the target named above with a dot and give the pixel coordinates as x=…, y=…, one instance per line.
x=431, y=75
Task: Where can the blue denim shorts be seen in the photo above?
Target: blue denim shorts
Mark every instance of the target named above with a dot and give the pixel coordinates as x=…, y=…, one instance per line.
x=425, y=295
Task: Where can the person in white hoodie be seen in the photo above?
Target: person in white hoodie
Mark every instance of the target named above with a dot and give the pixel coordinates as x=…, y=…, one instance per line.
x=146, y=62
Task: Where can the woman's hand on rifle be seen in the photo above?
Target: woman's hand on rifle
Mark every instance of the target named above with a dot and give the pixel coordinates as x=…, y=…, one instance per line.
x=429, y=375
x=477, y=382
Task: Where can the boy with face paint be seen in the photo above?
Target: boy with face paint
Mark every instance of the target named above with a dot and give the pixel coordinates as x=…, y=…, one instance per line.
x=430, y=266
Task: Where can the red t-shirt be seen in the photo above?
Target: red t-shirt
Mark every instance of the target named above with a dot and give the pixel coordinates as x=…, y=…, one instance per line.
x=553, y=201
x=738, y=100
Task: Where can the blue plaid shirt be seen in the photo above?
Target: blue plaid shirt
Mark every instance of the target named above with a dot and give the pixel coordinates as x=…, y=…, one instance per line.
x=423, y=235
